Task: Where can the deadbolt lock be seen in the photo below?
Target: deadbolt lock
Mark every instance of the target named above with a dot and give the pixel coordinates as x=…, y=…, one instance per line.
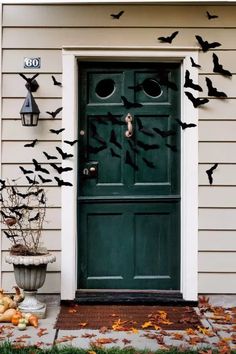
x=90, y=169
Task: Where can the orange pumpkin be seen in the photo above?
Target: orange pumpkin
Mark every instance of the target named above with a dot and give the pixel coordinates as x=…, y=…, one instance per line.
x=15, y=318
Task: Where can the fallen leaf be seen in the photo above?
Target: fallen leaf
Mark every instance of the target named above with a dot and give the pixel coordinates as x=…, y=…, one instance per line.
x=177, y=336
x=103, y=330
x=65, y=339
x=126, y=341
x=91, y=352
x=190, y=331
x=133, y=330
x=72, y=311
x=88, y=335
x=41, y=332
x=83, y=324
x=147, y=324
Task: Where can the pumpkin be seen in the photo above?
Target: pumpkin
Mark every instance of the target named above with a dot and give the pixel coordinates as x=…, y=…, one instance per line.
x=16, y=317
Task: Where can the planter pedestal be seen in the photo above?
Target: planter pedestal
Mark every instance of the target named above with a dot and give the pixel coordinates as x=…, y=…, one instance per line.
x=30, y=274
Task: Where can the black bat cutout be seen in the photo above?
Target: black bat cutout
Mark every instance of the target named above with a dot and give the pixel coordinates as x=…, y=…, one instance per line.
x=128, y=104
x=26, y=172
x=114, y=154
x=117, y=16
x=149, y=164
x=61, y=182
x=54, y=131
x=113, y=139
x=39, y=168
x=72, y=142
x=185, y=125
x=196, y=101
x=55, y=113
x=212, y=91
x=218, y=68
x=44, y=180
x=17, y=213
x=31, y=181
x=60, y=169
x=63, y=154
x=25, y=195
x=163, y=80
x=164, y=133
x=168, y=39
x=34, y=218
x=129, y=161
x=95, y=134
x=55, y=82
x=210, y=16
x=31, y=144
x=42, y=199
x=10, y=236
x=147, y=147
x=172, y=147
x=49, y=157
x=194, y=65
x=189, y=82
x=209, y=172
x=134, y=148
x=96, y=149
x=142, y=129
x=206, y=45
x=114, y=120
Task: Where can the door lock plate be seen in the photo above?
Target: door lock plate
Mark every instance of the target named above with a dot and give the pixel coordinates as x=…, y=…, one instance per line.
x=90, y=169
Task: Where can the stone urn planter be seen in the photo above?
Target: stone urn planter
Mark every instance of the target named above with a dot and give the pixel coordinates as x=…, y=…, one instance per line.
x=30, y=274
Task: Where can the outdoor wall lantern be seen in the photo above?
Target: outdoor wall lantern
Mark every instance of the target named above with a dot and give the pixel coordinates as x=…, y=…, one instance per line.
x=30, y=111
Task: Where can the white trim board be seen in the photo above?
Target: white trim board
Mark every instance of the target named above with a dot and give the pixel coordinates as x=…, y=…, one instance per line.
x=189, y=159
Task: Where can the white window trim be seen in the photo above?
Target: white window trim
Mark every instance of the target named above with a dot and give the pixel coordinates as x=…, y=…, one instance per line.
x=189, y=159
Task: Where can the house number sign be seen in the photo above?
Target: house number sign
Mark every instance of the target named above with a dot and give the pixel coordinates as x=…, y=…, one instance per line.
x=32, y=63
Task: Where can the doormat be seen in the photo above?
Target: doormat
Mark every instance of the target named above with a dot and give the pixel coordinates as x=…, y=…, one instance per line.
x=126, y=317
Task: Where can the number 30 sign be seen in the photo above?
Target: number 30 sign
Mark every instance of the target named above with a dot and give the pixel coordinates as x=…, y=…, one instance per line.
x=32, y=63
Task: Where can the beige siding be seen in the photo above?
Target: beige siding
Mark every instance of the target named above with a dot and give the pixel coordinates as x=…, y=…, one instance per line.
x=134, y=16
x=42, y=30
x=59, y=37
x=223, y=240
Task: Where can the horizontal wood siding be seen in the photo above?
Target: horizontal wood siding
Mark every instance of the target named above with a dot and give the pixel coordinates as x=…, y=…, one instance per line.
x=42, y=30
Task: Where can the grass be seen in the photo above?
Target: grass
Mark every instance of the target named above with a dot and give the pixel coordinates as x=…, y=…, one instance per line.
x=8, y=348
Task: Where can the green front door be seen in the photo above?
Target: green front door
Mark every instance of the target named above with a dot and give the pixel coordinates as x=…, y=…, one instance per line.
x=129, y=176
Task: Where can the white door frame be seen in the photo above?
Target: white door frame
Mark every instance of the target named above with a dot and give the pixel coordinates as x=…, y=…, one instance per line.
x=189, y=158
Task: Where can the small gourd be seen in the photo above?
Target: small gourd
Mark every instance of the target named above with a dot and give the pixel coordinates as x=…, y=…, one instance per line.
x=33, y=321
x=22, y=324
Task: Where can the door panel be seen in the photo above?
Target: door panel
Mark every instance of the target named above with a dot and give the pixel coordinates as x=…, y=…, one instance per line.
x=128, y=207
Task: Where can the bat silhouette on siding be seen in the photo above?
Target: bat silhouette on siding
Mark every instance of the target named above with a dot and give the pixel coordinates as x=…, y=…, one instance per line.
x=31, y=144
x=55, y=82
x=210, y=16
x=168, y=39
x=210, y=171
x=185, y=125
x=212, y=91
x=196, y=101
x=194, y=65
x=53, y=114
x=118, y=15
x=218, y=68
x=205, y=45
x=189, y=82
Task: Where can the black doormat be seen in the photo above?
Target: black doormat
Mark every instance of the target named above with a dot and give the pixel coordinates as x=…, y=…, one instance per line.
x=126, y=317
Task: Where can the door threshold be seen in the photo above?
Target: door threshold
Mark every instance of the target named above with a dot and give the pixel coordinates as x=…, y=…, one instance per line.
x=129, y=297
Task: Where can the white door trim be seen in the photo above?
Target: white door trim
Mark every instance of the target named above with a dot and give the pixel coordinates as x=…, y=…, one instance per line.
x=189, y=158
